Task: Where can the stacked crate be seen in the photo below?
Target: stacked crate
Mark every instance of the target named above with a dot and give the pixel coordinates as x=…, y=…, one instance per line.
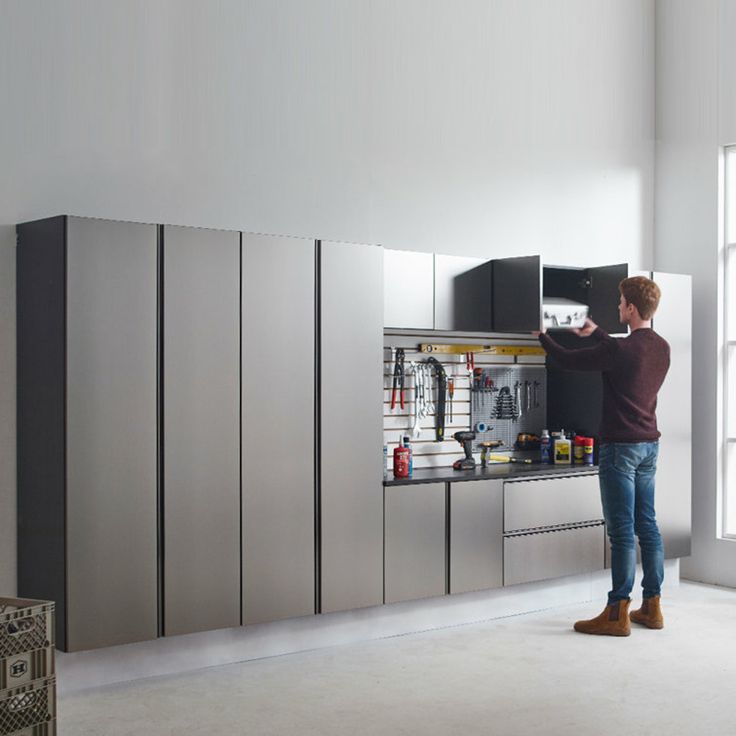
x=27, y=682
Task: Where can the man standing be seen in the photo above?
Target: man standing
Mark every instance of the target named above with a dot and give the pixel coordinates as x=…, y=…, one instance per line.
x=633, y=371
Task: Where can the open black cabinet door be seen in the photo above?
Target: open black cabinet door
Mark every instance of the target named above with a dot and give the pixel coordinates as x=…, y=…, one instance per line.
x=517, y=294
x=603, y=296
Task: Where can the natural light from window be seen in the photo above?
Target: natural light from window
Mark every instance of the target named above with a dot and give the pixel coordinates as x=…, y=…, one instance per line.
x=729, y=485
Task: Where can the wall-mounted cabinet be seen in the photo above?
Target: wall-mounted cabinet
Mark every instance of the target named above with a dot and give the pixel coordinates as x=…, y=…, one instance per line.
x=408, y=289
x=520, y=285
x=454, y=291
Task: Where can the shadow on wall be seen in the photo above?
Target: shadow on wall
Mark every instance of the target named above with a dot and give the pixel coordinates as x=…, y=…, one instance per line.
x=7, y=412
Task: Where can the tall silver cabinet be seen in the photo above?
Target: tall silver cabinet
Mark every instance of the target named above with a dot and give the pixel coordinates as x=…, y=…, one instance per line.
x=351, y=382
x=200, y=429
x=87, y=444
x=278, y=442
x=673, y=321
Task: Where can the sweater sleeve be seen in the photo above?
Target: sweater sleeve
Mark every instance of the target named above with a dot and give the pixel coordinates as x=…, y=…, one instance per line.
x=600, y=357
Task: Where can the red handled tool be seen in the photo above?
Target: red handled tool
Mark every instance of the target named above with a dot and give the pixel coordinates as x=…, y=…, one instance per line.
x=398, y=383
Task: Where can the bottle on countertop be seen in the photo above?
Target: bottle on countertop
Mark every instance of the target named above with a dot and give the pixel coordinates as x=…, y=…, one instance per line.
x=545, y=447
x=563, y=450
x=407, y=444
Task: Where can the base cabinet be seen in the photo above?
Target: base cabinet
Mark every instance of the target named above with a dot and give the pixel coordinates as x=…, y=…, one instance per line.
x=553, y=553
x=415, y=551
x=476, y=535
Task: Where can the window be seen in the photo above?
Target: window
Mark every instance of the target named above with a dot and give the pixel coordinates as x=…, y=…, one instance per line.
x=729, y=303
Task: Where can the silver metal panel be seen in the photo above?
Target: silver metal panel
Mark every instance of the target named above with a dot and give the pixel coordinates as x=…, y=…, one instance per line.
x=408, y=289
x=673, y=321
x=111, y=436
x=415, y=542
x=201, y=430
x=447, y=312
x=278, y=428
x=352, y=425
x=534, y=503
x=476, y=535
x=552, y=554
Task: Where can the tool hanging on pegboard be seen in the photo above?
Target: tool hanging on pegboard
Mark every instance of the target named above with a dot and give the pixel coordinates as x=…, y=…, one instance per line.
x=439, y=414
x=398, y=383
x=484, y=349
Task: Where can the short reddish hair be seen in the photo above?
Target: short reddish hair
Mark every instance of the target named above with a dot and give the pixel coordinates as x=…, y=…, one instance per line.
x=643, y=293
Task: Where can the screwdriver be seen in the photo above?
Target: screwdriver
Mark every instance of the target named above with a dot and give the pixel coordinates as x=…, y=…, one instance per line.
x=451, y=392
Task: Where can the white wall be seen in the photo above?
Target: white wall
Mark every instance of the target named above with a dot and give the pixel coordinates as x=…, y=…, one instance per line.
x=696, y=114
x=478, y=127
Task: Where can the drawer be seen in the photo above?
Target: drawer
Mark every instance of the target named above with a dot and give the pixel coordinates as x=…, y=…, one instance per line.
x=552, y=554
x=530, y=504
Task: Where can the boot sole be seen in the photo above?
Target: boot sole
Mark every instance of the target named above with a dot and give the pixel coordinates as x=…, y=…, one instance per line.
x=604, y=633
x=648, y=625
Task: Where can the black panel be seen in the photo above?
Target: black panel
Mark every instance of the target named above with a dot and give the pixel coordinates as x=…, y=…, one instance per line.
x=604, y=296
x=471, y=294
x=573, y=397
x=41, y=414
x=517, y=294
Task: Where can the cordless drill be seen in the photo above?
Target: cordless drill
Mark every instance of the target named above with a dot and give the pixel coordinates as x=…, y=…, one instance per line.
x=466, y=440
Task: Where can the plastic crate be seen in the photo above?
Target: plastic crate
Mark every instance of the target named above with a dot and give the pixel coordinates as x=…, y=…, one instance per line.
x=18, y=669
x=45, y=729
x=25, y=626
x=28, y=707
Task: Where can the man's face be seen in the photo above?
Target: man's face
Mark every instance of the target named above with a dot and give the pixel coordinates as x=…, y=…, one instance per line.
x=624, y=311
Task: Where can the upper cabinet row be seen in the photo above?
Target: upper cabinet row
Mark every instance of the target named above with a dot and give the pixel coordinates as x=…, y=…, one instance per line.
x=427, y=291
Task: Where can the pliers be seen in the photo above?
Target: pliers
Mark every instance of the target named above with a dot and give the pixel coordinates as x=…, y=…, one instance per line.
x=398, y=378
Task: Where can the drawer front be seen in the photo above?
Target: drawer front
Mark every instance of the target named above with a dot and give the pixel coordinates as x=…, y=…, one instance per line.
x=552, y=554
x=551, y=501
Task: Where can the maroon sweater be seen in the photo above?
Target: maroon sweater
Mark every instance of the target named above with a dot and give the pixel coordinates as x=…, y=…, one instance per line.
x=633, y=370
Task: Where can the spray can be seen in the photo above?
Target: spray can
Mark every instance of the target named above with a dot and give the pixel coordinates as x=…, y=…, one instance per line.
x=545, y=447
x=588, y=447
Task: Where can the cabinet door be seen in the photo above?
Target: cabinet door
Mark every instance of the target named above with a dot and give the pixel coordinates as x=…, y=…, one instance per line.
x=111, y=450
x=603, y=296
x=673, y=321
x=351, y=436
x=476, y=535
x=278, y=419
x=415, y=542
x=201, y=430
x=408, y=289
x=460, y=285
x=553, y=553
x=517, y=294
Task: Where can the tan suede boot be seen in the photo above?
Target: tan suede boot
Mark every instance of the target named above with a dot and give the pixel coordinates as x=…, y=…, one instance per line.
x=650, y=614
x=614, y=621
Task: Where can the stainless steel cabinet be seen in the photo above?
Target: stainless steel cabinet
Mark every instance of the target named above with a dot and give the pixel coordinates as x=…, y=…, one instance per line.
x=459, y=288
x=476, y=535
x=87, y=447
x=415, y=542
x=673, y=321
x=541, y=555
x=201, y=429
x=278, y=332
x=408, y=289
x=351, y=386
x=551, y=501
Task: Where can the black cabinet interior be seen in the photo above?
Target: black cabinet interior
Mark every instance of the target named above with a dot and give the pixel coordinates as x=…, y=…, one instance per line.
x=517, y=294
x=472, y=303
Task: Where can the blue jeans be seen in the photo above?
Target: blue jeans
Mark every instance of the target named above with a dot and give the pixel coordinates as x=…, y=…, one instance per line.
x=626, y=476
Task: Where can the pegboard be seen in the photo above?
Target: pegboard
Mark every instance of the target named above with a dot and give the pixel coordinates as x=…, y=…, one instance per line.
x=484, y=404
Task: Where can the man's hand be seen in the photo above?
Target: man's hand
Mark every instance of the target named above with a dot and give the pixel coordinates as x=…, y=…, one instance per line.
x=537, y=333
x=587, y=329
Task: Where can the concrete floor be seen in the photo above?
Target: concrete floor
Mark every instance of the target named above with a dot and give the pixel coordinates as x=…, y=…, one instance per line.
x=528, y=674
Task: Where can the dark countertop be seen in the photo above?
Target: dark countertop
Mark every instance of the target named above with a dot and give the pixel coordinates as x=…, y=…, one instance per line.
x=505, y=471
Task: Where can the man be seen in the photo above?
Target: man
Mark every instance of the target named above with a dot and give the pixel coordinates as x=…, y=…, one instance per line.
x=633, y=370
